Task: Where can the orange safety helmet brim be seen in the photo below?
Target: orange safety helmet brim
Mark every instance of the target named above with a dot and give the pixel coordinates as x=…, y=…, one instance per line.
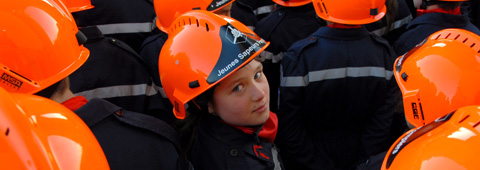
x=439, y=75
x=39, y=45
x=450, y=142
x=202, y=51
x=292, y=3
x=168, y=10
x=38, y=133
x=351, y=12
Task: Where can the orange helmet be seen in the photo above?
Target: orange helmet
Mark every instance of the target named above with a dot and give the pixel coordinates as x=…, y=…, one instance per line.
x=201, y=52
x=168, y=10
x=78, y=5
x=352, y=12
x=37, y=44
x=38, y=133
x=450, y=142
x=292, y=3
x=439, y=75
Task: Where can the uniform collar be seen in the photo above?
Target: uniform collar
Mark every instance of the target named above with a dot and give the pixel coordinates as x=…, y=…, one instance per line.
x=266, y=131
x=75, y=103
x=439, y=10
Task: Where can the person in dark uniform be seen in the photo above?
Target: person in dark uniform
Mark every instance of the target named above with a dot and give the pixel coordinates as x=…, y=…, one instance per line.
x=337, y=94
x=290, y=22
x=128, y=20
x=129, y=140
x=220, y=91
x=116, y=73
x=432, y=16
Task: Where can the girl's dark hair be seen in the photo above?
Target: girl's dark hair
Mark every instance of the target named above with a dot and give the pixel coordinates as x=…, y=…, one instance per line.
x=196, y=111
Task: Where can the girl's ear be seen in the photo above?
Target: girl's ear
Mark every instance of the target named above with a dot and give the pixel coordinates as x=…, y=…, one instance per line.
x=211, y=109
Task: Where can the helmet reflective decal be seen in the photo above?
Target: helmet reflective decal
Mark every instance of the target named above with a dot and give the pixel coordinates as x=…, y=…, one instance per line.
x=217, y=4
x=414, y=134
x=237, y=48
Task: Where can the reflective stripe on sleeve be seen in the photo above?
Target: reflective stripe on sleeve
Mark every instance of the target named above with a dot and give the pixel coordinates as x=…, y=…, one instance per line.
x=119, y=91
x=395, y=25
x=336, y=73
x=126, y=28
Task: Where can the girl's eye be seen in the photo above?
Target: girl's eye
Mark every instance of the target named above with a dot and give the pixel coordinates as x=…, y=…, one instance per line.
x=258, y=75
x=237, y=88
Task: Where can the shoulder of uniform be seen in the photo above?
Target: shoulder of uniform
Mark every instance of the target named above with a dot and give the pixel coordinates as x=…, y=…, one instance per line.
x=292, y=56
x=148, y=123
x=297, y=47
x=266, y=26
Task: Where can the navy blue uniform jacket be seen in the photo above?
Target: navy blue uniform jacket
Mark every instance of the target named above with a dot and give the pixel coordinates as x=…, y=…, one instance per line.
x=337, y=98
x=132, y=140
x=218, y=146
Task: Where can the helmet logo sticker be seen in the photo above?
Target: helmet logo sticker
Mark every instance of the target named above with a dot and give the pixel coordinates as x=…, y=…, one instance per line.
x=238, y=37
x=217, y=4
x=237, y=47
x=413, y=135
x=11, y=81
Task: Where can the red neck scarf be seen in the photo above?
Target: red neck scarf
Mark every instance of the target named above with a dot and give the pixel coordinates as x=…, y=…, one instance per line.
x=75, y=103
x=337, y=25
x=268, y=131
x=439, y=10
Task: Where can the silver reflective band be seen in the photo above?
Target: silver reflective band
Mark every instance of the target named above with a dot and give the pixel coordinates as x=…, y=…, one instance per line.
x=264, y=9
x=395, y=25
x=276, y=162
x=119, y=91
x=267, y=55
x=161, y=91
x=126, y=28
x=337, y=73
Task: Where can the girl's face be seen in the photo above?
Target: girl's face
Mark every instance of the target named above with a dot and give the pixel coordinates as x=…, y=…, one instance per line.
x=242, y=99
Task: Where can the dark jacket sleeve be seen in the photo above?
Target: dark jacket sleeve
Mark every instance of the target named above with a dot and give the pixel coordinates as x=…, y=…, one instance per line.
x=296, y=148
x=379, y=121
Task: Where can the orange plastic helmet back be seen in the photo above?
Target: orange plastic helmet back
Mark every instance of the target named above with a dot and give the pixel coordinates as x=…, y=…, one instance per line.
x=38, y=133
x=168, y=10
x=450, y=142
x=201, y=52
x=78, y=5
x=439, y=75
x=352, y=12
x=38, y=45
x=292, y=3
